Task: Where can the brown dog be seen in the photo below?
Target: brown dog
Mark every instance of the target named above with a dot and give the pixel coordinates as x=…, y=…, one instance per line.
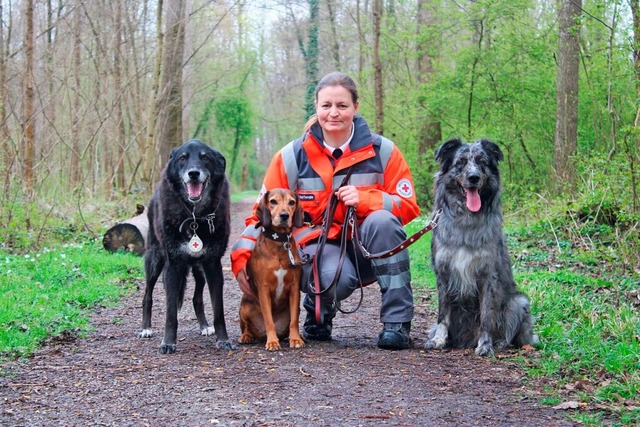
x=275, y=274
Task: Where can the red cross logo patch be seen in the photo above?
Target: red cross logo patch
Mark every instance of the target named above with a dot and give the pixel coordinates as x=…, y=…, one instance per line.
x=404, y=188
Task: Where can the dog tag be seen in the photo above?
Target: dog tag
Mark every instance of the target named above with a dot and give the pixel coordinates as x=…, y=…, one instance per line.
x=195, y=244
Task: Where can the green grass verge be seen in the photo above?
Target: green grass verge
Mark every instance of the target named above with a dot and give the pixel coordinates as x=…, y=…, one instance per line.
x=51, y=292
x=587, y=318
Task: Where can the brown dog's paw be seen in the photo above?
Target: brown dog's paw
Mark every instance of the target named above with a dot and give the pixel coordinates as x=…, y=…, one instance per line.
x=272, y=345
x=245, y=338
x=296, y=343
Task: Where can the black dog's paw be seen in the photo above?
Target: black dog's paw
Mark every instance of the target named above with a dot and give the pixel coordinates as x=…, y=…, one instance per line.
x=167, y=348
x=225, y=345
x=145, y=333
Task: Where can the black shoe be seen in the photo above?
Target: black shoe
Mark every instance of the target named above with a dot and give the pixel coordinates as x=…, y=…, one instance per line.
x=395, y=336
x=314, y=332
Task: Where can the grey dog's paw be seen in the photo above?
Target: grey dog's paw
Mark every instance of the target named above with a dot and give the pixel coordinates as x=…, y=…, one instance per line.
x=484, y=349
x=225, y=345
x=167, y=348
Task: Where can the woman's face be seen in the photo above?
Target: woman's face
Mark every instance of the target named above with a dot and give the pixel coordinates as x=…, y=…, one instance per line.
x=335, y=109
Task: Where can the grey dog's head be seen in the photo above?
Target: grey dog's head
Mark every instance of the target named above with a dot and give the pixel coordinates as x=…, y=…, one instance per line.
x=469, y=174
x=194, y=167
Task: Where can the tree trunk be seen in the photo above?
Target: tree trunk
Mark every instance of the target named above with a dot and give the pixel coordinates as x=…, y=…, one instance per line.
x=117, y=79
x=170, y=101
x=151, y=148
x=566, y=131
x=377, y=66
x=75, y=118
x=8, y=155
x=334, y=33
x=430, y=133
x=311, y=57
x=635, y=10
x=28, y=123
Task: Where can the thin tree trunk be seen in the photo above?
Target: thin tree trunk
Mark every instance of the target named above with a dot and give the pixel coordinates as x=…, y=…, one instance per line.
x=75, y=119
x=170, y=105
x=334, y=33
x=117, y=77
x=566, y=131
x=377, y=66
x=29, y=104
x=361, y=42
x=151, y=148
x=431, y=132
x=8, y=155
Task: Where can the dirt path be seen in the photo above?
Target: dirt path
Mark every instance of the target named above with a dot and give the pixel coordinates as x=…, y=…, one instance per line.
x=112, y=378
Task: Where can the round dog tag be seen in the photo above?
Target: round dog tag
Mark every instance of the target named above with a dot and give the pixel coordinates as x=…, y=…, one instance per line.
x=195, y=244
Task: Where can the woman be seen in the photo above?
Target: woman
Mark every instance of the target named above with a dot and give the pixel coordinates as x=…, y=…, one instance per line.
x=336, y=141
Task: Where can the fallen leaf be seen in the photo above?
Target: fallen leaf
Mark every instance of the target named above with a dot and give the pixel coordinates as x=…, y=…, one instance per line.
x=570, y=405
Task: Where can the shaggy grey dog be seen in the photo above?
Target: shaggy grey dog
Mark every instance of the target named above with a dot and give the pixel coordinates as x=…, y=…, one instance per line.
x=478, y=303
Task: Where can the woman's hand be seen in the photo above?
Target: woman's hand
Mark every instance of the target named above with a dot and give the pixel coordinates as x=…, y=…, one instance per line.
x=244, y=282
x=349, y=195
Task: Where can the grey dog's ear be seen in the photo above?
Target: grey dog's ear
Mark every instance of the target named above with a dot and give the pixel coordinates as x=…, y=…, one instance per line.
x=262, y=212
x=446, y=153
x=492, y=148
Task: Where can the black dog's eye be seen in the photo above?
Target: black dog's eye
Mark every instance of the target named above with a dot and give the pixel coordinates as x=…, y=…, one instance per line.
x=183, y=157
x=205, y=158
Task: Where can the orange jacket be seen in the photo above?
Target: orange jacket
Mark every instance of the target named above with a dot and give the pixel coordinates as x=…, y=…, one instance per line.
x=380, y=173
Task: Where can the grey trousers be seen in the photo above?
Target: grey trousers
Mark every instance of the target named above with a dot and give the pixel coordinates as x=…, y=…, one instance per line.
x=379, y=232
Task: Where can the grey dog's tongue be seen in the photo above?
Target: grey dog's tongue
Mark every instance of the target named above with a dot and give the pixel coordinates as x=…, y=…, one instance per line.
x=473, y=199
x=194, y=190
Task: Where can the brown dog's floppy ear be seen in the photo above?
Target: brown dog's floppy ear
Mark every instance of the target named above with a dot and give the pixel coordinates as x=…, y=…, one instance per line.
x=298, y=215
x=262, y=212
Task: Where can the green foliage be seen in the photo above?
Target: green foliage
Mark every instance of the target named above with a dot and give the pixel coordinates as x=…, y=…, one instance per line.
x=48, y=293
x=234, y=118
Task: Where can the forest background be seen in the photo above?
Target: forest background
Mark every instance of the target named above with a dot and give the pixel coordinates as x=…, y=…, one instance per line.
x=94, y=94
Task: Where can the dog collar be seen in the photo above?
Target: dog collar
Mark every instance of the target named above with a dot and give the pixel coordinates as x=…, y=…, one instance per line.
x=271, y=234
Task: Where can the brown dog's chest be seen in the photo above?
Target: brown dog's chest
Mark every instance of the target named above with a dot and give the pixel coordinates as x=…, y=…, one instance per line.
x=270, y=269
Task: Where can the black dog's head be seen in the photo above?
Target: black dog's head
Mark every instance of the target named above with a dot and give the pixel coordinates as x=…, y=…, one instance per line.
x=193, y=167
x=469, y=172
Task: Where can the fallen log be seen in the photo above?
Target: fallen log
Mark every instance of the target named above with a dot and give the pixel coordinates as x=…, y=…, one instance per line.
x=129, y=235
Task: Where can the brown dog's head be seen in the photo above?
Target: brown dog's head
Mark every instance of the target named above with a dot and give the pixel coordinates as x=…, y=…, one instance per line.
x=280, y=208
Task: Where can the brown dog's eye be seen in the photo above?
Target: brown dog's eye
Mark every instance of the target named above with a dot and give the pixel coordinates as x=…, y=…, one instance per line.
x=273, y=202
x=292, y=202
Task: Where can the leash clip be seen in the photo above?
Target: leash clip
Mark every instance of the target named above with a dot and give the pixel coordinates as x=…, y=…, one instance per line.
x=433, y=222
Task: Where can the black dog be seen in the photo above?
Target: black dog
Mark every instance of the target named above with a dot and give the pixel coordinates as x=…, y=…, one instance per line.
x=478, y=304
x=189, y=227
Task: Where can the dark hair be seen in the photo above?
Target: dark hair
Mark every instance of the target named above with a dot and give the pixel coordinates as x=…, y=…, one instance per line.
x=335, y=78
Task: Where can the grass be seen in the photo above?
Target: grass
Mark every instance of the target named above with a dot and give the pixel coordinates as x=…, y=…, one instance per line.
x=51, y=292
x=587, y=317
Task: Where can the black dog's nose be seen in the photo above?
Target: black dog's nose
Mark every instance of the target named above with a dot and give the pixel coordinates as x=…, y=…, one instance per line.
x=474, y=178
x=194, y=175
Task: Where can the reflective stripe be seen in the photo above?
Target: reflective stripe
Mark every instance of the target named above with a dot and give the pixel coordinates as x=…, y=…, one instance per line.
x=300, y=233
x=290, y=165
x=366, y=179
x=387, y=202
x=310, y=184
x=243, y=244
x=386, y=148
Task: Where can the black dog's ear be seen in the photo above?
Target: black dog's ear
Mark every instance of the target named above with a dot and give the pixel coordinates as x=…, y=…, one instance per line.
x=298, y=215
x=446, y=153
x=492, y=148
x=262, y=212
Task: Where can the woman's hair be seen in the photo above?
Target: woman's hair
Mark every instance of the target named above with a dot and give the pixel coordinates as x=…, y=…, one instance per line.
x=335, y=78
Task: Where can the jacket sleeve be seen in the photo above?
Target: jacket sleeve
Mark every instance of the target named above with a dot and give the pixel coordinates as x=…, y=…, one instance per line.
x=398, y=194
x=242, y=248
